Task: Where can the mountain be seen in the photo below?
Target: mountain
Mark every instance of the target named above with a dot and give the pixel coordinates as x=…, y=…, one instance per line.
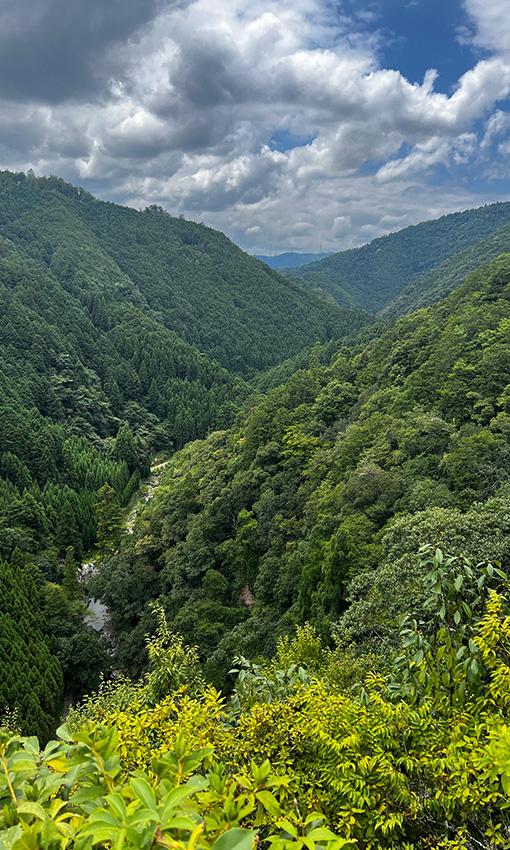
x=122, y=333
x=314, y=506
x=288, y=546
x=289, y=259
x=102, y=311
x=440, y=281
x=374, y=275
x=190, y=279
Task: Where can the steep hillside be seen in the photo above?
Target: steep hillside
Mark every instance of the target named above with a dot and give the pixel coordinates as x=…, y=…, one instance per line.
x=185, y=276
x=113, y=323
x=372, y=276
x=314, y=505
x=90, y=385
x=440, y=281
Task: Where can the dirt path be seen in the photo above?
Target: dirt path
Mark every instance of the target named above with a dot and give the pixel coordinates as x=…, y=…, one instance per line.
x=160, y=465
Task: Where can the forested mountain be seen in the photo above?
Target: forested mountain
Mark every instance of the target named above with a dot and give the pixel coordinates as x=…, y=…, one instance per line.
x=440, y=281
x=289, y=259
x=83, y=350
x=364, y=675
x=373, y=276
x=111, y=320
x=185, y=276
x=313, y=506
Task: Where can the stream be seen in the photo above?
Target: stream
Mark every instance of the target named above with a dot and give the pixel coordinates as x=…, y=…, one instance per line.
x=97, y=613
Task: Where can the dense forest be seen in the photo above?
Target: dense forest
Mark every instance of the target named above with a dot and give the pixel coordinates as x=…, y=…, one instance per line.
x=308, y=635
x=413, y=268
x=313, y=506
x=188, y=278
x=114, y=323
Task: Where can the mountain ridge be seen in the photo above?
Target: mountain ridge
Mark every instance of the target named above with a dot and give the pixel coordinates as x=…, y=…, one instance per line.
x=289, y=259
x=197, y=281
x=372, y=276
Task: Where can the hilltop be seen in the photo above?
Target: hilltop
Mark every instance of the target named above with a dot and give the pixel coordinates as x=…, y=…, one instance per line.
x=289, y=259
x=373, y=276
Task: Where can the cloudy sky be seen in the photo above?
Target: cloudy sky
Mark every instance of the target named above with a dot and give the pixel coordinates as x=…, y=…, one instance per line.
x=288, y=124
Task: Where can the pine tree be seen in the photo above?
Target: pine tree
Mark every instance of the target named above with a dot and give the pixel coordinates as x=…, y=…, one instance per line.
x=70, y=584
x=109, y=520
x=66, y=533
x=125, y=447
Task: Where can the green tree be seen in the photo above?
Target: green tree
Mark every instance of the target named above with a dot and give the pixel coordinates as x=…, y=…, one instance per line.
x=125, y=447
x=109, y=520
x=66, y=532
x=70, y=584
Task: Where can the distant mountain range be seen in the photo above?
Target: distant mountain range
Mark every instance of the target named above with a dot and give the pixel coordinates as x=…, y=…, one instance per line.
x=289, y=259
x=414, y=267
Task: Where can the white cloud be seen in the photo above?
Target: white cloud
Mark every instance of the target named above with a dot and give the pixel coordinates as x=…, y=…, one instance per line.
x=491, y=22
x=198, y=96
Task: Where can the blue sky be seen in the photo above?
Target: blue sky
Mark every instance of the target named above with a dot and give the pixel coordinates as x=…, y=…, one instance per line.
x=291, y=123
x=422, y=35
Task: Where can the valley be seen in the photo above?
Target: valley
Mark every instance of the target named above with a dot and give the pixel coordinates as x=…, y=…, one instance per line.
x=292, y=514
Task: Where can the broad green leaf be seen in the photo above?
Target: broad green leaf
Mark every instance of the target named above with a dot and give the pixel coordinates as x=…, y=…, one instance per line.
x=27, y=841
x=176, y=796
x=144, y=792
x=269, y=802
x=65, y=733
x=102, y=816
x=116, y=802
x=235, y=839
x=9, y=836
x=287, y=827
x=142, y=816
x=321, y=834
x=179, y=822
x=21, y=762
x=32, y=745
x=119, y=841
x=34, y=809
x=312, y=817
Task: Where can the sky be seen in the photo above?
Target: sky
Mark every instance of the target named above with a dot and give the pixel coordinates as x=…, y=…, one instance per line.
x=290, y=125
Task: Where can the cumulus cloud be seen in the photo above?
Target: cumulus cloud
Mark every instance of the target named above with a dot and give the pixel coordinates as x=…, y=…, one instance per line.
x=52, y=50
x=178, y=103
x=491, y=24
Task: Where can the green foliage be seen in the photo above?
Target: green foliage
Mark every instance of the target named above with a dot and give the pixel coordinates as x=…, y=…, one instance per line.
x=314, y=506
x=124, y=448
x=380, y=769
x=414, y=267
x=172, y=665
x=70, y=584
x=109, y=520
x=123, y=333
x=444, y=278
x=441, y=655
x=31, y=684
x=73, y=794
